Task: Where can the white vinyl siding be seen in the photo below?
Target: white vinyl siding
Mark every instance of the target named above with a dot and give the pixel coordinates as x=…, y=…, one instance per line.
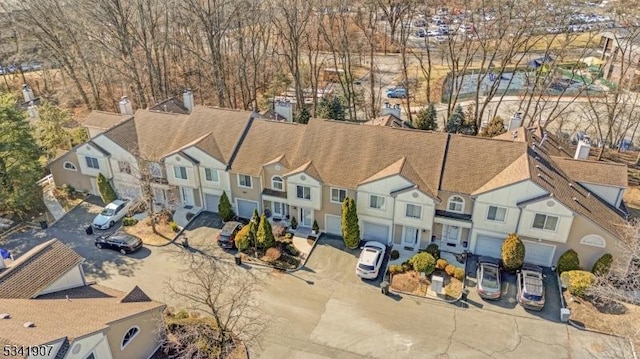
x=543, y=221
x=497, y=214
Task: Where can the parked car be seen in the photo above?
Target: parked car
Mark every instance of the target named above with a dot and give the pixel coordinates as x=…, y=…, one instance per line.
x=488, y=276
x=227, y=235
x=420, y=33
x=420, y=23
x=111, y=214
x=120, y=241
x=370, y=260
x=397, y=92
x=530, y=287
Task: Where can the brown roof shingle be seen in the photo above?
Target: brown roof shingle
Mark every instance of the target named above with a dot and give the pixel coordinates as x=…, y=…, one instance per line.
x=472, y=162
x=597, y=172
x=87, y=310
x=37, y=269
x=104, y=120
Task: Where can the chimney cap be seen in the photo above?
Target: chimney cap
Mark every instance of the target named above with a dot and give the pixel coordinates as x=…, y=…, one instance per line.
x=29, y=324
x=5, y=316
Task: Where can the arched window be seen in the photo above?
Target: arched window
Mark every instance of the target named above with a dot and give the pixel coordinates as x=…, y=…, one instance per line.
x=70, y=166
x=456, y=204
x=277, y=183
x=593, y=240
x=128, y=336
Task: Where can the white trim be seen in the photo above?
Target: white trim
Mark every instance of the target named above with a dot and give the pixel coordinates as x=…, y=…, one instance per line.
x=589, y=240
x=450, y=200
x=339, y=189
x=273, y=187
x=212, y=170
x=300, y=218
x=242, y=186
x=303, y=187
x=326, y=215
x=404, y=237
x=122, y=343
x=415, y=205
x=546, y=217
x=175, y=172
x=74, y=169
x=446, y=240
x=384, y=202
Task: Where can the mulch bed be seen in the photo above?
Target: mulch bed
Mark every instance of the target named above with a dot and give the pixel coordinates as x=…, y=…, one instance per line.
x=144, y=231
x=410, y=282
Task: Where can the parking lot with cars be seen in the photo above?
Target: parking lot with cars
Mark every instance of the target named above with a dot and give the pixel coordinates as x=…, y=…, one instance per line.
x=325, y=310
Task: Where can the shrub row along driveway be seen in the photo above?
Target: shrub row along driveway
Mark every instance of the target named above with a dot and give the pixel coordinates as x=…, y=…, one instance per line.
x=326, y=311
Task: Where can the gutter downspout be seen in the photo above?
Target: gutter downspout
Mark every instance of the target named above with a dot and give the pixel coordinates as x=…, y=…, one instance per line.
x=199, y=187
x=519, y=217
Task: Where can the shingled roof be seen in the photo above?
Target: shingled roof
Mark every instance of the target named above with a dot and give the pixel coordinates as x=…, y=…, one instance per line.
x=68, y=314
x=596, y=172
x=37, y=269
x=104, y=120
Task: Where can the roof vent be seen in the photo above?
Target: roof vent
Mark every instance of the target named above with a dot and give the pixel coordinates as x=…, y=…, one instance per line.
x=575, y=199
x=539, y=174
x=29, y=325
x=571, y=185
x=588, y=194
x=537, y=166
x=537, y=158
x=5, y=316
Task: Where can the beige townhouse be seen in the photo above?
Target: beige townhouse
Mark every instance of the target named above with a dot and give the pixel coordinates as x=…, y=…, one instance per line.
x=412, y=188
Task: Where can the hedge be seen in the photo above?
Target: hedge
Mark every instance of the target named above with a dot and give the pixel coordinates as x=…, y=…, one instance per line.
x=512, y=253
x=423, y=262
x=568, y=261
x=603, y=265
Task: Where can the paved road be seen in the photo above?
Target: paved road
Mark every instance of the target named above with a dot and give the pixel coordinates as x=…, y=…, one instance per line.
x=325, y=311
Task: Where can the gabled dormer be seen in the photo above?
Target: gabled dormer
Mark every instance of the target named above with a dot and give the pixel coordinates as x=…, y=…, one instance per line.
x=544, y=217
x=210, y=166
x=273, y=177
x=182, y=169
x=93, y=159
x=304, y=186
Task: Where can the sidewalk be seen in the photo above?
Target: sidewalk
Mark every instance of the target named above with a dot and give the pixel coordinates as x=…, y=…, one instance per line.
x=52, y=204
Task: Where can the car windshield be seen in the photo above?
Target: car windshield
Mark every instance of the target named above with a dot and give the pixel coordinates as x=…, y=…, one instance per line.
x=224, y=238
x=489, y=278
x=130, y=240
x=365, y=267
x=532, y=297
x=108, y=212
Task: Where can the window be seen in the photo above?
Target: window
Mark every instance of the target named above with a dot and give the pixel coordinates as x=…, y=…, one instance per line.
x=180, y=172
x=91, y=356
x=129, y=335
x=277, y=183
x=124, y=167
x=338, y=195
x=69, y=166
x=155, y=169
x=413, y=211
x=303, y=192
x=376, y=202
x=456, y=204
x=92, y=162
x=496, y=214
x=542, y=221
x=244, y=181
x=211, y=175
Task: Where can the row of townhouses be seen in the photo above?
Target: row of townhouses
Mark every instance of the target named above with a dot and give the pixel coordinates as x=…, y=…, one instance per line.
x=412, y=188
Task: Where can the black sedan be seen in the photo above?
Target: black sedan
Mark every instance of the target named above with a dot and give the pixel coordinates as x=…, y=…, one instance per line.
x=120, y=241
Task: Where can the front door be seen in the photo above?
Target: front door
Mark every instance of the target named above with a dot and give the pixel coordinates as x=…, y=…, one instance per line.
x=279, y=210
x=451, y=234
x=94, y=186
x=306, y=217
x=187, y=196
x=411, y=237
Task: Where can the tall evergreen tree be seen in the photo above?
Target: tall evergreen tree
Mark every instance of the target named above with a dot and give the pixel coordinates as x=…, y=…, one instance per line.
x=337, y=109
x=20, y=167
x=426, y=119
x=470, y=127
x=455, y=123
x=224, y=208
x=107, y=193
x=264, y=236
x=350, y=227
x=303, y=116
x=53, y=129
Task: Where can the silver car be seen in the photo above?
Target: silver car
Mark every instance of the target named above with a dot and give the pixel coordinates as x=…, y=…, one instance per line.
x=530, y=287
x=488, y=275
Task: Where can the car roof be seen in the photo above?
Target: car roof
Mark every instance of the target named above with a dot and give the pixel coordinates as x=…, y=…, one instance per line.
x=532, y=282
x=121, y=235
x=375, y=244
x=369, y=255
x=115, y=203
x=229, y=227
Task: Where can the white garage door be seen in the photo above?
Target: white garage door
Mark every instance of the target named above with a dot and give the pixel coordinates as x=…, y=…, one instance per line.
x=375, y=232
x=245, y=208
x=333, y=224
x=211, y=201
x=538, y=253
x=489, y=246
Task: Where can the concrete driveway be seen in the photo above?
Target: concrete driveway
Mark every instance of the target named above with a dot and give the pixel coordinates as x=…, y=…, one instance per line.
x=326, y=311
x=508, y=303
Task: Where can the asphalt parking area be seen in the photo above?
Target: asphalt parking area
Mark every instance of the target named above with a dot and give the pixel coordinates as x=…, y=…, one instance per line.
x=508, y=303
